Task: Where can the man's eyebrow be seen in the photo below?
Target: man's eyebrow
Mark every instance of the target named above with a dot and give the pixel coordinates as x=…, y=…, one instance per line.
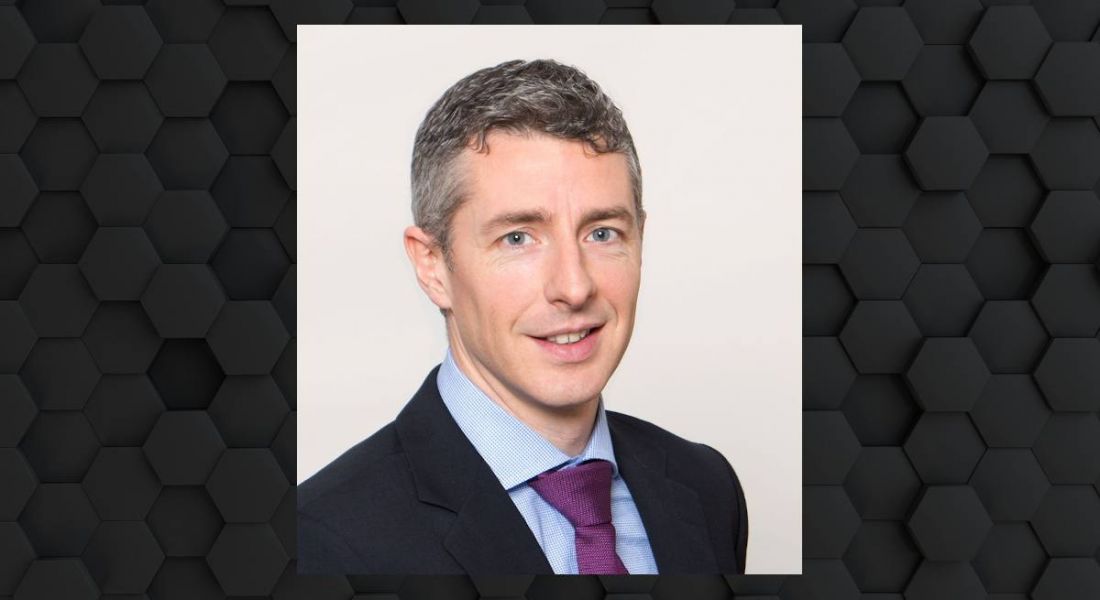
x=606, y=214
x=526, y=217
x=521, y=217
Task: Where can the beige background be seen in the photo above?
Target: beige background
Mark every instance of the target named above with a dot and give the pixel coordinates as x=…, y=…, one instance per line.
x=716, y=355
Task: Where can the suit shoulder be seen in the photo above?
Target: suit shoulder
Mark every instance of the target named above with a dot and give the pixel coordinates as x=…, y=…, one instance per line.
x=676, y=447
x=370, y=461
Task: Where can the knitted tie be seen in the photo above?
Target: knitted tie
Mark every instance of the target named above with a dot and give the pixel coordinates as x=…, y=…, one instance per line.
x=583, y=496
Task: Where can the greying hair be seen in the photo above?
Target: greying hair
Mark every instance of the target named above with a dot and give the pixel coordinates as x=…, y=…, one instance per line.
x=542, y=96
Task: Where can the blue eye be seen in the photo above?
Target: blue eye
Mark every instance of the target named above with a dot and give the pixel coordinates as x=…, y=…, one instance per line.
x=515, y=238
x=604, y=234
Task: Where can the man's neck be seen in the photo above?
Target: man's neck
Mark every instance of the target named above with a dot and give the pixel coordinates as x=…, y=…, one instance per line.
x=567, y=428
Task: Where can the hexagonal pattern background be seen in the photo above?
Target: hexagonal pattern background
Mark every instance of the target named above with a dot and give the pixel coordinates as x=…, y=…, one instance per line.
x=951, y=167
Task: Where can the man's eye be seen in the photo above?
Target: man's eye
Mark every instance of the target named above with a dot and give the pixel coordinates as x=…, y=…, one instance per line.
x=515, y=238
x=604, y=234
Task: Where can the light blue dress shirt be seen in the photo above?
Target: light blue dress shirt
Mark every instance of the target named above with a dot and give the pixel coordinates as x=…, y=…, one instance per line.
x=516, y=454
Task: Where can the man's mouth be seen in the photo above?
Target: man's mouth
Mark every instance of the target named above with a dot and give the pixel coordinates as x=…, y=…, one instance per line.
x=568, y=338
x=571, y=346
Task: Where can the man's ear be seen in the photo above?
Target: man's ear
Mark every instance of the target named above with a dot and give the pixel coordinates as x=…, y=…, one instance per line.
x=431, y=269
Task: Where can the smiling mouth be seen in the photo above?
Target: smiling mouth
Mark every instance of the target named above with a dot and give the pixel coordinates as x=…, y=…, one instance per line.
x=572, y=347
x=571, y=337
x=568, y=338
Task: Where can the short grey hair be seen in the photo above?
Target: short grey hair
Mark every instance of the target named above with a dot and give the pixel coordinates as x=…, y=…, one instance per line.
x=541, y=96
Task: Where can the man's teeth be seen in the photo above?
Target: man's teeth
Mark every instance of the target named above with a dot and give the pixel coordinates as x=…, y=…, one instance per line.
x=568, y=338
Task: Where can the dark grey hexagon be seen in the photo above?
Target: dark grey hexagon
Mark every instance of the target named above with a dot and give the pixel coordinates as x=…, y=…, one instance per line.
x=878, y=264
x=16, y=41
x=60, y=355
x=247, y=485
x=121, y=485
x=17, y=412
x=1068, y=520
x=183, y=447
x=882, y=483
x=247, y=559
x=18, y=336
x=119, y=262
x=1067, y=227
x=883, y=43
x=183, y=300
x=122, y=117
x=1064, y=154
x=19, y=483
x=1068, y=448
x=185, y=226
x=57, y=578
x=1011, y=411
x=829, y=80
x=944, y=448
x=16, y=120
x=949, y=523
x=830, y=520
x=1068, y=578
x=120, y=189
x=1009, y=42
x=58, y=301
x=827, y=373
x=942, y=227
x=943, y=300
x=828, y=154
x=1069, y=374
x=946, y=153
x=880, y=337
x=57, y=80
x=1010, y=483
x=880, y=191
x=1068, y=300
x=187, y=154
x=123, y=557
x=1069, y=80
x=120, y=42
x=948, y=374
x=944, y=21
x=1009, y=116
x=18, y=189
x=829, y=447
x=1009, y=336
x=248, y=43
x=821, y=20
x=185, y=80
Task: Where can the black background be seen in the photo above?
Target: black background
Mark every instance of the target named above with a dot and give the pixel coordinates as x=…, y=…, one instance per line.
x=950, y=290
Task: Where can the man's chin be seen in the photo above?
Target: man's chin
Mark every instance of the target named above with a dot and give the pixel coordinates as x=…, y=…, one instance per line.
x=567, y=399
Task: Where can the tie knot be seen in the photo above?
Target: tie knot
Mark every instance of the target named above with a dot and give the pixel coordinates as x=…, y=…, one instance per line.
x=581, y=494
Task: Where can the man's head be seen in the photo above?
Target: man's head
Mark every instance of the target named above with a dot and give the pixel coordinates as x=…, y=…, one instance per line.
x=527, y=203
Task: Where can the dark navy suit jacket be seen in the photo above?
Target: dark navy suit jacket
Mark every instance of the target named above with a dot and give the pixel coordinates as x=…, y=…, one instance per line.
x=417, y=498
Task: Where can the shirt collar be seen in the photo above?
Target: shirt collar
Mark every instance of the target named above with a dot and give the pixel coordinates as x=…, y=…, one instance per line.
x=514, y=451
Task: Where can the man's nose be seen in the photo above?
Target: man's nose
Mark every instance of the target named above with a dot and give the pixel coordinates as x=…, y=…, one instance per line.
x=569, y=281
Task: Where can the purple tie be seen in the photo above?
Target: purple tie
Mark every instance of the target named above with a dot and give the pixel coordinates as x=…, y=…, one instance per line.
x=583, y=496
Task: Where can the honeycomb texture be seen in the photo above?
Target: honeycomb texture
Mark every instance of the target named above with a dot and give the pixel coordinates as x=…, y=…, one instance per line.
x=951, y=298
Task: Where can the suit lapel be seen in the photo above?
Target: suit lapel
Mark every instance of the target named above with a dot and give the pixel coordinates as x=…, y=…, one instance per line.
x=671, y=512
x=488, y=534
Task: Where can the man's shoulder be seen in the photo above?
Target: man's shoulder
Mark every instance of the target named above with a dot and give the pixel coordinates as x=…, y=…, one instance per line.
x=694, y=464
x=373, y=461
x=674, y=446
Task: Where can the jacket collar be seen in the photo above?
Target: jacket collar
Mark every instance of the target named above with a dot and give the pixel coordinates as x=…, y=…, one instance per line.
x=671, y=511
x=490, y=536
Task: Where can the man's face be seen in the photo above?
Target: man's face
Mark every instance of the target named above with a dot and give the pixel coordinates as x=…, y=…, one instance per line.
x=547, y=242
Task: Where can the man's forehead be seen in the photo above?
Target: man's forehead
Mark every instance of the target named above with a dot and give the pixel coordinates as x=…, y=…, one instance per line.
x=539, y=172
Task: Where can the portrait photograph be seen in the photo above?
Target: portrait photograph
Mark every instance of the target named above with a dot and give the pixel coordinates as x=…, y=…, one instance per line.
x=549, y=300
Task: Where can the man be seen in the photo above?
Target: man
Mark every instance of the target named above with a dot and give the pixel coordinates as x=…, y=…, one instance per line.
x=527, y=202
